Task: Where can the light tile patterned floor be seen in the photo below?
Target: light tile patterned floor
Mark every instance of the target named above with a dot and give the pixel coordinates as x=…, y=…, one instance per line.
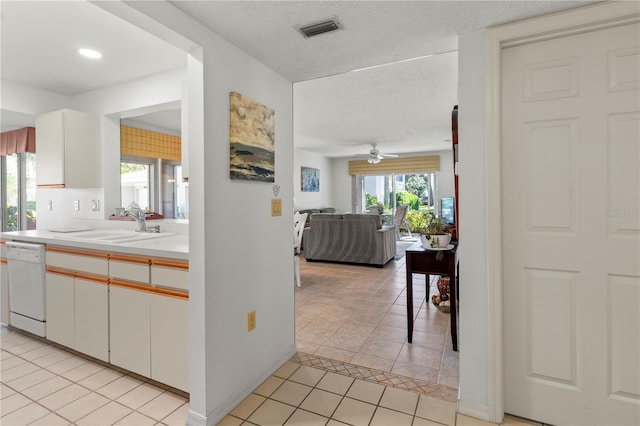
x=46, y=385
x=302, y=395
x=357, y=314
x=354, y=367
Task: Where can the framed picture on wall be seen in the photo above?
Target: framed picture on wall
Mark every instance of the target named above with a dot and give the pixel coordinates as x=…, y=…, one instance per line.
x=252, y=139
x=309, y=179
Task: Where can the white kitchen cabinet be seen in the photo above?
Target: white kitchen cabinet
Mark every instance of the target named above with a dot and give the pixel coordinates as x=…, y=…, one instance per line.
x=170, y=340
x=170, y=273
x=90, y=262
x=68, y=150
x=78, y=312
x=92, y=316
x=129, y=268
x=130, y=328
x=60, y=308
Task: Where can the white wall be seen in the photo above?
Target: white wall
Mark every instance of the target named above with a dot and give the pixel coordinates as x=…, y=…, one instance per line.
x=240, y=256
x=474, y=325
x=147, y=94
x=312, y=200
x=28, y=100
x=343, y=189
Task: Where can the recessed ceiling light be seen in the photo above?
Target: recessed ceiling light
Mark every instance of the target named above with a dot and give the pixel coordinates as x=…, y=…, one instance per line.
x=89, y=53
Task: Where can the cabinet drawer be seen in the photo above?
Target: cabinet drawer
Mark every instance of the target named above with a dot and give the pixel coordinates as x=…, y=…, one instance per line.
x=130, y=271
x=170, y=277
x=77, y=260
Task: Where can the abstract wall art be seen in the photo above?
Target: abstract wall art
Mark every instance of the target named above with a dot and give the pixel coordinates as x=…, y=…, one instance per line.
x=310, y=179
x=252, y=139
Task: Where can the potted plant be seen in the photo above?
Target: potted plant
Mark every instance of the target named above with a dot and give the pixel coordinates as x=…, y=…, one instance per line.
x=437, y=236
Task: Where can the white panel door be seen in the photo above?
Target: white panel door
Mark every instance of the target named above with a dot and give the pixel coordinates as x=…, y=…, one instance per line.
x=571, y=227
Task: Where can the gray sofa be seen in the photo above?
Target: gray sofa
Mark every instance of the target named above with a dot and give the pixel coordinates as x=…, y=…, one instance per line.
x=350, y=238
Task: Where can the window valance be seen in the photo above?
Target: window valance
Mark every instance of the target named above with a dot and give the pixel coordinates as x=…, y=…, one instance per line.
x=18, y=141
x=146, y=143
x=404, y=165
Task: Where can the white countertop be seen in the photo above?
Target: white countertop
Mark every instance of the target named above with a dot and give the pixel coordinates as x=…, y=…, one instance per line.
x=173, y=246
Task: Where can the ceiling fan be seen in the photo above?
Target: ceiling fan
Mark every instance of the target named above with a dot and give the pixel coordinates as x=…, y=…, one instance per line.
x=375, y=155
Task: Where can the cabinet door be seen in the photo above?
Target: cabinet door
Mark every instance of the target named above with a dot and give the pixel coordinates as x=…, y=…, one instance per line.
x=82, y=150
x=170, y=341
x=50, y=158
x=92, y=318
x=129, y=330
x=60, y=309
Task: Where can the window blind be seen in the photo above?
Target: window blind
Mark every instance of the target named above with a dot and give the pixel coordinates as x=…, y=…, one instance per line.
x=146, y=143
x=404, y=165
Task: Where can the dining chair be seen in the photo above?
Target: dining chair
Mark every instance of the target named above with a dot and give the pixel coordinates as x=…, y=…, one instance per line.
x=299, y=220
x=400, y=219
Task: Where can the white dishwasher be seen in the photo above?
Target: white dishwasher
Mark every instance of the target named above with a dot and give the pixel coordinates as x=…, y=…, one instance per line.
x=26, y=266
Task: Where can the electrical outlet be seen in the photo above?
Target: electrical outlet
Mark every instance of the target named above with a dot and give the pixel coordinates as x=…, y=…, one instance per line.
x=251, y=320
x=76, y=205
x=95, y=205
x=49, y=205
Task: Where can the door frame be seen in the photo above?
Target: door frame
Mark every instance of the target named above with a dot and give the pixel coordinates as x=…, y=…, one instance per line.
x=562, y=24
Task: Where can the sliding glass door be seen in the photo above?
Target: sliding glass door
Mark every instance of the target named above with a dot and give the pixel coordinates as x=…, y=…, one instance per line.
x=387, y=192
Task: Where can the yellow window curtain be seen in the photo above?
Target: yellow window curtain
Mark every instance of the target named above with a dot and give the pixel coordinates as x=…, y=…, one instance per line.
x=145, y=143
x=404, y=165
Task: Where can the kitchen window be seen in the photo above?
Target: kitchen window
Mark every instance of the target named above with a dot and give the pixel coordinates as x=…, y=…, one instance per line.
x=18, y=181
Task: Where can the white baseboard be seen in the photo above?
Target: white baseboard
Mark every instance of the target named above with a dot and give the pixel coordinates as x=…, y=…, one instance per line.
x=195, y=419
x=212, y=419
x=475, y=410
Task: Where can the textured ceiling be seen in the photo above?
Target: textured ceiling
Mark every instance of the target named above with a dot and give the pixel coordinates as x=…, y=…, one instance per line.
x=404, y=107
x=375, y=32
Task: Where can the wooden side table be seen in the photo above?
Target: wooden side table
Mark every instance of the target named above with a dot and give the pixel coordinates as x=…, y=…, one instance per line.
x=432, y=262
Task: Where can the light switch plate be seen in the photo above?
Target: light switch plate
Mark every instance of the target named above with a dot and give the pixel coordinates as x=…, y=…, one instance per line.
x=95, y=205
x=276, y=207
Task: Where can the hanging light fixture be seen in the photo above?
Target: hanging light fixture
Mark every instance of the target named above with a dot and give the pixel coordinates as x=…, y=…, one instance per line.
x=373, y=159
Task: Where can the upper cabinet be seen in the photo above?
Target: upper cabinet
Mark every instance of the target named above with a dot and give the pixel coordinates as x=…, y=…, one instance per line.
x=68, y=150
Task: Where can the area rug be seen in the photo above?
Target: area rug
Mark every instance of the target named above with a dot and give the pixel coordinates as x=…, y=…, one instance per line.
x=401, y=247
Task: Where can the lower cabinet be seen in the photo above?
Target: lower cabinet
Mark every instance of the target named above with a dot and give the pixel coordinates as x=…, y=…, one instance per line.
x=170, y=340
x=77, y=313
x=92, y=317
x=60, y=307
x=135, y=316
x=149, y=332
x=130, y=329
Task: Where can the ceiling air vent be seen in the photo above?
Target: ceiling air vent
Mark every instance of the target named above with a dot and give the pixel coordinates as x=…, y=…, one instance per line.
x=320, y=27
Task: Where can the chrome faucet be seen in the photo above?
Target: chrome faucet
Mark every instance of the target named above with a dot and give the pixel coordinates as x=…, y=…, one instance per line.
x=141, y=218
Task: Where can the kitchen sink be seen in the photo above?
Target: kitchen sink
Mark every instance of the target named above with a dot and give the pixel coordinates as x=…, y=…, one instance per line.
x=113, y=236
